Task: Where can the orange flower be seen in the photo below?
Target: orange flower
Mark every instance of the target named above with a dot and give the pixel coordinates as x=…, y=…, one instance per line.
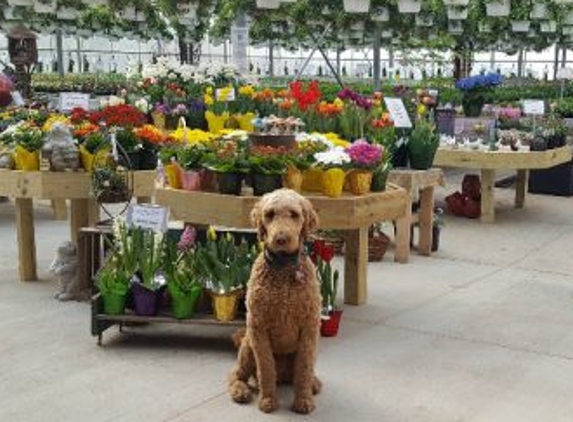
x=383, y=122
x=150, y=134
x=83, y=130
x=286, y=104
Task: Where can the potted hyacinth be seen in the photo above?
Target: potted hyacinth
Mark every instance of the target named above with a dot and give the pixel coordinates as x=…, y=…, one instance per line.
x=113, y=284
x=332, y=162
x=364, y=158
x=473, y=88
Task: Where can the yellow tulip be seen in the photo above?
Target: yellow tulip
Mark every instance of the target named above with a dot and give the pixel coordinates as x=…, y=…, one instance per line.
x=422, y=109
x=212, y=233
x=209, y=90
x=209, y=100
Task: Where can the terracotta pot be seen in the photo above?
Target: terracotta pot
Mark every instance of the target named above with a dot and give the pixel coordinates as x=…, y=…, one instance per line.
x=333, y=182
x=293, y=179
x=208, y=180
x=329, y=327
x=360, y=181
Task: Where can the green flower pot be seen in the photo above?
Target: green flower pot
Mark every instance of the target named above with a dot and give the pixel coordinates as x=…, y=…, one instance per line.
x=113, y=304
x=421, y=157
x=183, y=305
x=379, y=180
x=472, y=104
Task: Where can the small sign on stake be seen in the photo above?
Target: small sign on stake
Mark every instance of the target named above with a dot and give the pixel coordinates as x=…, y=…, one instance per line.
x=398, y=112
x=70, y=100
x=534, y=107
x=147, y=216
x=230, y=96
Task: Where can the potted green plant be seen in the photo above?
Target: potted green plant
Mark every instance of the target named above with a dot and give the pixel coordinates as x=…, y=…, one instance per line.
x=267, y=165
x=181, y=270
x=110, y=185
x=95, y=144
x=230, y=164
x=191, y=160
x=423, y=144
x=225, y=269
x=328, y=279
x=113, y=284
x=131, y=146
x=28, y=142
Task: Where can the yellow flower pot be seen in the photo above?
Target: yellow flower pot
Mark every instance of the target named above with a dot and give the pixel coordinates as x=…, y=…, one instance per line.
x=159, y=120
x=225, y=305
x=26, y=160
x=173, y=176
x=293, y=179
x=88, y=159
x=245, y=121
x=312, y=180
x=216, y=122
x=360, y=181
x=333, y=182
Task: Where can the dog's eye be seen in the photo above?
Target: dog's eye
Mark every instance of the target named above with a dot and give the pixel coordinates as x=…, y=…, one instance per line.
x=269, y=215
x=294, y=215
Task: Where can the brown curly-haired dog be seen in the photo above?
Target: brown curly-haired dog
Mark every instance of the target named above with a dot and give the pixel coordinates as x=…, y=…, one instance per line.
x=283, y=303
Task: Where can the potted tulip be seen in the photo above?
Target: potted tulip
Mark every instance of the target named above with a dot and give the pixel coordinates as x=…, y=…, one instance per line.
x=113, y=285
x=365, y=158
x=225, y=269
x=217, y=113
x=322, y=256
x=297, y=162
x=267, y=166
x=180, y=266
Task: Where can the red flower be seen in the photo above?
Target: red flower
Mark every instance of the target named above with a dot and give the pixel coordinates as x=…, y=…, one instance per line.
x=119, y=115
x=305, y=99
x=79, y=115
x=321, y=250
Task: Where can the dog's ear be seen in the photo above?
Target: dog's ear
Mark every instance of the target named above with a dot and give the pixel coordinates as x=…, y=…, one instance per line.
x=257, y=220
x=310, y=218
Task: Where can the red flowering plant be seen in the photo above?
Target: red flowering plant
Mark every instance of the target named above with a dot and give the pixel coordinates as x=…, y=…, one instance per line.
x=322, y=255
x=79, y=115
x=364, y=155
x=307, y=98
x=122, y=115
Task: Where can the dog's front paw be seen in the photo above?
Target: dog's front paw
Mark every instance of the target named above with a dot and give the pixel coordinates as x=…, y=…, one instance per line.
x=240, y=392
x=268, y=404
x=316, y=386
x=303, y=405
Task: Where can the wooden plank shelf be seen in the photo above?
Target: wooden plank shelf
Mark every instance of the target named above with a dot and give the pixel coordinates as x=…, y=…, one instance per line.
x=166, y=318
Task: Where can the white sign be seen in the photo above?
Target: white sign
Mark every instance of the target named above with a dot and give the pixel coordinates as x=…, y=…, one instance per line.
x=152, y=217
x=398, y=112
x=230, y=95
x=534, y=107
x=18, y=99
x=71, y=100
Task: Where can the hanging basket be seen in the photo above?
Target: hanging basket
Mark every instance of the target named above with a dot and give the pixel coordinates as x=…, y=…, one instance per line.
x=424, y=21
x=409, y=6
x=497, y=8
x=21, y=2
x=548, y=27
x=456, y=2
x=538, y=11
x=268, y=4
x=520, y=26
x=67, y=14
x=457, y=13
x=45, y=8
x=357, y=6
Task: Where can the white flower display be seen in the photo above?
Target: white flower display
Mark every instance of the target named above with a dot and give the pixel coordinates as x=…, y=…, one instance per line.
x=143, y=105
x=333, y=157
x=314, y=137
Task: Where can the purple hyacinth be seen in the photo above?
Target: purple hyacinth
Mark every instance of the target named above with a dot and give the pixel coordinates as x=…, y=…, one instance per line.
x=187, y=240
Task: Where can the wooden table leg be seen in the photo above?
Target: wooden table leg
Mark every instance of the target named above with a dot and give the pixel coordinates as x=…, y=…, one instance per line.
x=403, y=236
x=26, y=239
x=93, y=212
x=80, y=217
x=426, y=220
x=487, y=195
x=521, y=186
x=356, y=267
x=60, y=208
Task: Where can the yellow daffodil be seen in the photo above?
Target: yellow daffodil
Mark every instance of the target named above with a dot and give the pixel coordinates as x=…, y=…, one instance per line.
x=336, y=140
x=223, y=93
x=209, y=90
x=338, y=103
x=247, y=90
x=212, y=233
x=208, y=100
x=229, y=237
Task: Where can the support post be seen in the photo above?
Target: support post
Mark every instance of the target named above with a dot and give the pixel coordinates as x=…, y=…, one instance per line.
x=426, y=220
x=521, y=186
x=487, y=196
x=376, y=67
x=60, y=52
x=271, y=58
x=26, y=239
x=356, y=267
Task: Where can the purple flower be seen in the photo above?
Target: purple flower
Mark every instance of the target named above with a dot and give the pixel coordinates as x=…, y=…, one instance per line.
x=364, y=154
x=187, y=240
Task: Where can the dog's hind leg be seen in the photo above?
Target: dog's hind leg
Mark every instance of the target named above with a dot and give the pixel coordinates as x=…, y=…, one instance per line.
x=245, y=369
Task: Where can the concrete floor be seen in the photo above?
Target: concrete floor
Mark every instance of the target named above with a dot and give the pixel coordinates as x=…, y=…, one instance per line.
x=483, y=331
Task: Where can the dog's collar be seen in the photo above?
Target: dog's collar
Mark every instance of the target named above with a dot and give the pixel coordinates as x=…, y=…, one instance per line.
x=280, y=260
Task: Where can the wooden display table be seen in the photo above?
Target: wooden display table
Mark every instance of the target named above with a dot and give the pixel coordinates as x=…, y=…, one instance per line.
x=25, y=186
x=490, y=161
x=420, y=185
x=352, y=214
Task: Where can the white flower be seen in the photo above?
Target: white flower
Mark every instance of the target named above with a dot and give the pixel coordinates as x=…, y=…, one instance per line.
x=143, y=105
x=334, y=157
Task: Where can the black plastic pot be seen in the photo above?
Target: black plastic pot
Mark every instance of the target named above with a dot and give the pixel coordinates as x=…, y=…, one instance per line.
x=148, y=159
x=400, y=157
x=436, y=230
x=266, y=183
x=230, y=183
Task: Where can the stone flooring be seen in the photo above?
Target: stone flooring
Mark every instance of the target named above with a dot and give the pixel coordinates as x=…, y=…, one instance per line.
x=482, y=331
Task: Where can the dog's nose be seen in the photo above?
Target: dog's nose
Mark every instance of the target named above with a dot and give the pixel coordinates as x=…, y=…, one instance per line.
x=282, y=240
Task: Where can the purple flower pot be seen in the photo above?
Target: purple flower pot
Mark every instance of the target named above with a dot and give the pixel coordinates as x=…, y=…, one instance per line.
x=146, y=302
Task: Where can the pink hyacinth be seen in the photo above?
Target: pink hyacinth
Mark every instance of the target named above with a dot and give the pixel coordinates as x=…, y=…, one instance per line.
x=187, y=240
x=364, y=154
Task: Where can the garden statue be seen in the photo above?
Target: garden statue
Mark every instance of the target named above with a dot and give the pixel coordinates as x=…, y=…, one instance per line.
x=65, y=267
x=23, y=50
x=60, y=149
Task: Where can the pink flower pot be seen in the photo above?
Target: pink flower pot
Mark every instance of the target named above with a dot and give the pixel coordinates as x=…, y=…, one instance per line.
x=191, y=180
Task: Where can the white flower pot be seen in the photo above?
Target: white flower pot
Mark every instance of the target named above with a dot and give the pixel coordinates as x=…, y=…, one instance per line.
x=424, y=21
x=380, y=14
x=45, y=8
x=568, y=19
x=409, y=6
x=268, y=4
x=456, y=13
x=484, y=27
x=456, y=2
x=548, y=26
x=455, y=27
x=357, y=6
x=520, y=26
x=563, y=1
x=20, y=2
x=67, y=14
x=95, y=2
x=128, y=13
x=538, y=11
x=567, y=30
x=498, y=9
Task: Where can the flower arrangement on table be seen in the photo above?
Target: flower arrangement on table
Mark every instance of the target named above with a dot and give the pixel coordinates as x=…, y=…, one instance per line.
x=333, y=163
x=473, y=88
x=365, y=159
x=26, y=140
x=217, y=103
